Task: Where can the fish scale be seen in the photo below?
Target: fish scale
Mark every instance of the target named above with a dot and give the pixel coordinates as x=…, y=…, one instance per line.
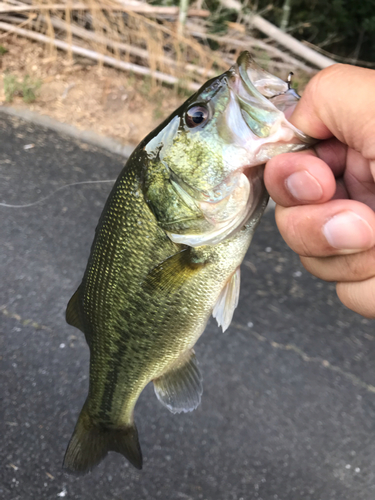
x=163, y=260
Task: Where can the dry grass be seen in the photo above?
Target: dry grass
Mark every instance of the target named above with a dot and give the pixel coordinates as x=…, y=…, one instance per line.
x=123, y=34
x=79, y=92
x=113, y=28
x=93, y=96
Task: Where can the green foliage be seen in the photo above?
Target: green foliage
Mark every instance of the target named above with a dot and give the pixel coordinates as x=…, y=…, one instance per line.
x=344, y=27
x=219, y=20
x=27, y=88
x=10, y=86
x=30, y=88
x=3, y=50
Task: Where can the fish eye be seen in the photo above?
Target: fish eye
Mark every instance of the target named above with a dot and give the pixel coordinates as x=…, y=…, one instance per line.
x=196, y=116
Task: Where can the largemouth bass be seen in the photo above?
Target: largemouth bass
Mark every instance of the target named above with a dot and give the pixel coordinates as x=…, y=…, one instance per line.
x=167, y=252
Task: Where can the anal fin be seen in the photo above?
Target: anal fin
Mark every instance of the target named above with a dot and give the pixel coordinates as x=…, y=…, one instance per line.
x=228, y=301
x=180, y=389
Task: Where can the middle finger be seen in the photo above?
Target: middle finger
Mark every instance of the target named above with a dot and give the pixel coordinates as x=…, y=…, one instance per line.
x=344, y=268
x=333, y=228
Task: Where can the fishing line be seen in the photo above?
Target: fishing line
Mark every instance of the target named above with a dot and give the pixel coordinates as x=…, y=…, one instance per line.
x=54, y=192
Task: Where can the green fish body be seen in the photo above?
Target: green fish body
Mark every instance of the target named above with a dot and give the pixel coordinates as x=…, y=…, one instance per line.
x=167, y=252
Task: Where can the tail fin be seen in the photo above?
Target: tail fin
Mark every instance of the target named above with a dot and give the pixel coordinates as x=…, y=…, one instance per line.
x=90, y=443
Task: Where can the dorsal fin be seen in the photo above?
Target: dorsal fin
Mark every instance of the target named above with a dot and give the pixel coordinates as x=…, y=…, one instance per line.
x=180, y=389
x=73, y=316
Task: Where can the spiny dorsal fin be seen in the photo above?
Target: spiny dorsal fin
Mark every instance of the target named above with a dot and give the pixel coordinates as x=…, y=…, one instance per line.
x=180, y=389
x=73, y=316
x=172, y=273
x=227, y=301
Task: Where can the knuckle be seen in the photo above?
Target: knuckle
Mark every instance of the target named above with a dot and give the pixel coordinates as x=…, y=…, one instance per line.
x=354, y=266
x=301, y=236
x=295, y=230
x=323, y=78
x=360, y=266
x=317, y=266
x=319, y=84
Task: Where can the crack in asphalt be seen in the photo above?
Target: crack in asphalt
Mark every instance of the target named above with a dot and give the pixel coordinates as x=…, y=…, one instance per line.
x=309, y=359
x=261, y=338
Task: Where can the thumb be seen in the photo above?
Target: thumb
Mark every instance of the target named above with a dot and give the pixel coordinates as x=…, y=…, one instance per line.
x=340, y=101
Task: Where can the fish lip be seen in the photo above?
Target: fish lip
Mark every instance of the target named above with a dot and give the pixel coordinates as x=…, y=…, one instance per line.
x=234, y=78
x=240, y=74
x=259, y=114
x=259, y=95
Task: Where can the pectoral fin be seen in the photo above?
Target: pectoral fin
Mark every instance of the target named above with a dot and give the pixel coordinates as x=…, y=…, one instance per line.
x=171, y=274
x=180, y=389
x=227, y=301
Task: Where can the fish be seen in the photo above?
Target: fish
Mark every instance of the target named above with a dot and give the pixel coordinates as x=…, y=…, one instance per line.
x=167, y=252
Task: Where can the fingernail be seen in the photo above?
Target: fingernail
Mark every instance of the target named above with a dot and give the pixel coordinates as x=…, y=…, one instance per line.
x=347, y=231
x=303, y=186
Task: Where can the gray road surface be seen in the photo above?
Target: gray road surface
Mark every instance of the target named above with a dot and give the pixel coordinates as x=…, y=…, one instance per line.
x=288, y=409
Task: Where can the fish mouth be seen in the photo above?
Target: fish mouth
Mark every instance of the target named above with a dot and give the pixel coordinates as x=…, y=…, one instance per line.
x=265, y=101
x=255, y=128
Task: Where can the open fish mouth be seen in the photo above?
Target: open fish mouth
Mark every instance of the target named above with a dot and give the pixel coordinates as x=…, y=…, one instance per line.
x=265, y=102
x=255, y=120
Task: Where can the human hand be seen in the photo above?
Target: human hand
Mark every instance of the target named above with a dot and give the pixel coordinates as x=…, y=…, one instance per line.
x=326, y=198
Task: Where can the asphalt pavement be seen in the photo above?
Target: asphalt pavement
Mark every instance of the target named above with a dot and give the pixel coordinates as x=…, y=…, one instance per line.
x=288, y=408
